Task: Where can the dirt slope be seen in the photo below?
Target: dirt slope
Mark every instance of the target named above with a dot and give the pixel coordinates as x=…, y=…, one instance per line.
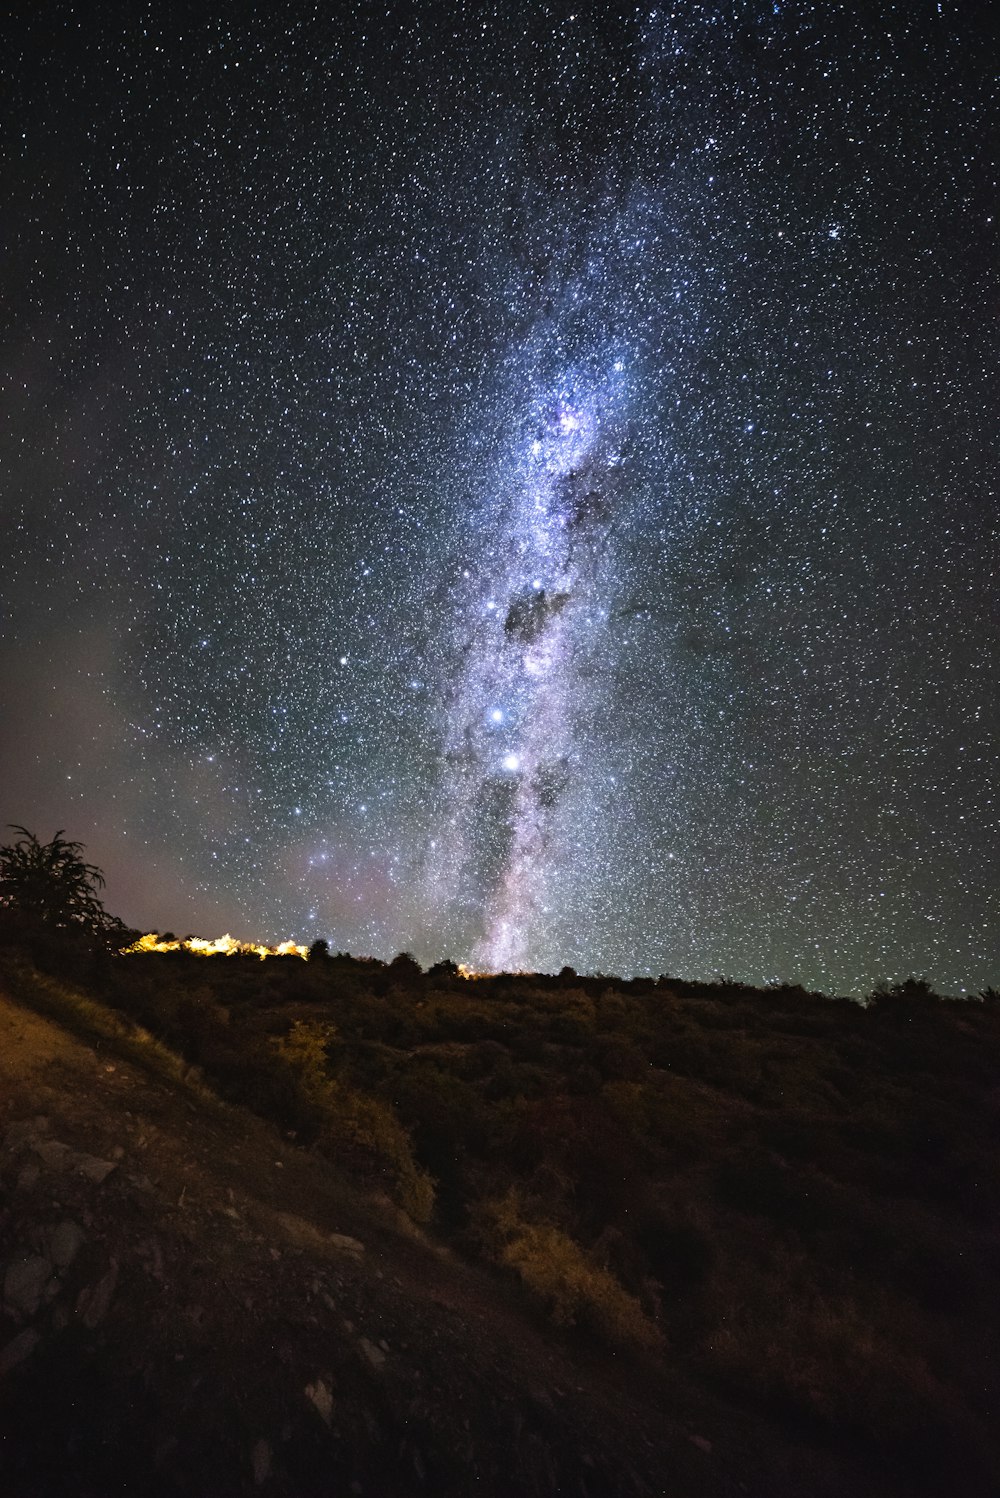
x=193, y=1305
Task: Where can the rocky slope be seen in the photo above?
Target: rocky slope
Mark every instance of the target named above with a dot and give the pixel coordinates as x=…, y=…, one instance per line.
x=193, y=1305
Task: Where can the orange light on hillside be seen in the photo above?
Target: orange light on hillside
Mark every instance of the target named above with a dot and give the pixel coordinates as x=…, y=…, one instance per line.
x=222, y=946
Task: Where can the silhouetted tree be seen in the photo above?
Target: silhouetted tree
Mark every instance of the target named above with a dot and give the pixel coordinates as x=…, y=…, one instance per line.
x=405, y=969
x=319, y=951
x=49, y=887
x=909, y=990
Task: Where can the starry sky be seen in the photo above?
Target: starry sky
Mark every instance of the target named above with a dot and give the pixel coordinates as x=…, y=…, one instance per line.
x=511, y=482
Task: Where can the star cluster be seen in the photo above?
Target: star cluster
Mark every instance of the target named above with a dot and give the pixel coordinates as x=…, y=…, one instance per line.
x=515, y=483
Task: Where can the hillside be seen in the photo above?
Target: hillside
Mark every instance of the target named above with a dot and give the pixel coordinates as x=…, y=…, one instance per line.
x=671, y=1239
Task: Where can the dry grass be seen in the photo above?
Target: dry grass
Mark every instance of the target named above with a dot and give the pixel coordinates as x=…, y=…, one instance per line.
x=86, y=1017
x=573, y=1289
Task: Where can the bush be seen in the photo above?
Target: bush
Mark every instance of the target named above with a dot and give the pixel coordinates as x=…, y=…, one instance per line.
x=366, y=1122
x=572, y=1288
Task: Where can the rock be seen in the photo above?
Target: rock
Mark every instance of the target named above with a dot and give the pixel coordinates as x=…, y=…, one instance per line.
x=24, y=1284
x=94, y=1301
x=260, y=1460
x=17, y=1349
x=94, y=1169
x=320, y=1397
x=59, y=1156
x=64, y=1242
x=375, y=1355
x=345, y=1244
x=53, y=1154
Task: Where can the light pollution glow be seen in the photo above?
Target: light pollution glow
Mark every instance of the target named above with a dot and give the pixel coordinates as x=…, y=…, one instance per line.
x=221, y=946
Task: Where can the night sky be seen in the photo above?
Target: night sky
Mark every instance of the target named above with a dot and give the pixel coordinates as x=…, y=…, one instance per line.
x=515, y=483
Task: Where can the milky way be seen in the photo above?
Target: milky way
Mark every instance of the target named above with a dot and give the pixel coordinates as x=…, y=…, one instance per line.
x=511, y=483
x=525, y=649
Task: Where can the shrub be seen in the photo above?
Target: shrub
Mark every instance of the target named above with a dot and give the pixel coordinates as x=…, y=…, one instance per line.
x=372, y=1125
x=564, y=1278
x=366, y=1122
x=304, y=1048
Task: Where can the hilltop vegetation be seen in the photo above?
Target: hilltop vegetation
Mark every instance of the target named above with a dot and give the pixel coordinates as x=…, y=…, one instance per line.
x=794, y=1199
x=787, y=1200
